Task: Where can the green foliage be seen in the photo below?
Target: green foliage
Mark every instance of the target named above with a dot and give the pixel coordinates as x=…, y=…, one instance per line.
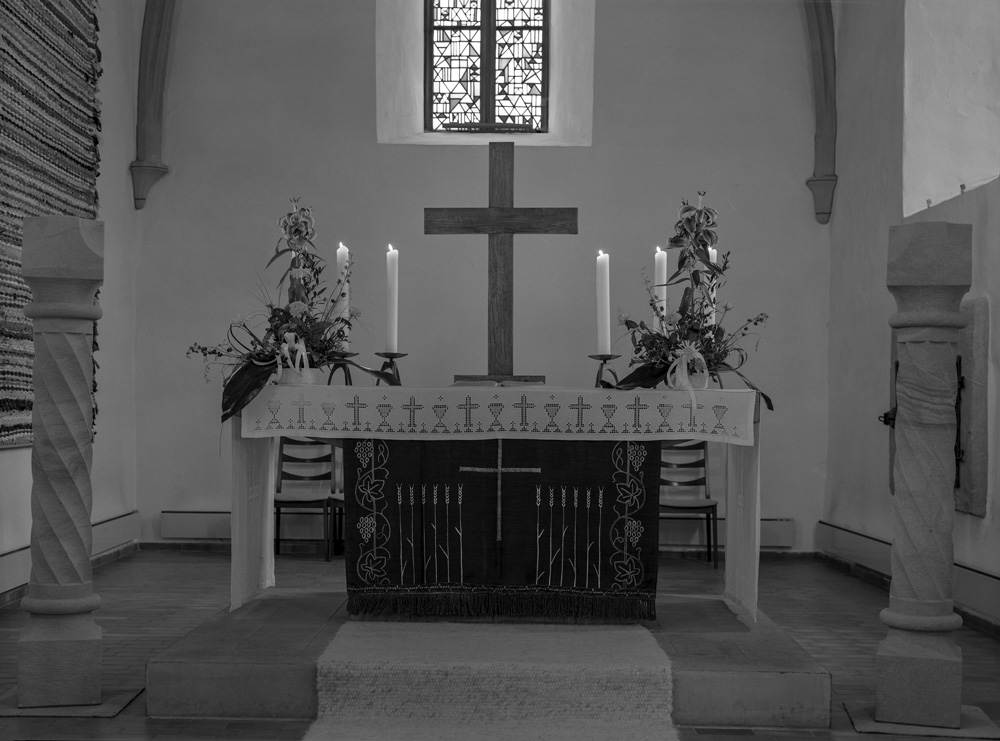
x=310, y=329
x=698, y=321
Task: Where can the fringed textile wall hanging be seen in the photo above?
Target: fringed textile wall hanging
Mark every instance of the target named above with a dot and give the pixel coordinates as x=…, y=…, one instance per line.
x=49, y=120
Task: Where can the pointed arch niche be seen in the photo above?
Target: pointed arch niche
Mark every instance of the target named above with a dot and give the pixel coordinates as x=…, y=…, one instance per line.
x=399, y=78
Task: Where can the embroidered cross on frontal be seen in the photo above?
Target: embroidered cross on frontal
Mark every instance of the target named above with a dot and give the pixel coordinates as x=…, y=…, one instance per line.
x=499, y=470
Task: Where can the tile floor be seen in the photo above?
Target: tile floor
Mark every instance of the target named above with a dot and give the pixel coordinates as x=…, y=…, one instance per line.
x=153, y=597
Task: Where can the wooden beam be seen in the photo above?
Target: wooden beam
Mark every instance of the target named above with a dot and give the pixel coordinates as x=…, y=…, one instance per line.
x=819, y=22
x=500, y=221
x=148, y=167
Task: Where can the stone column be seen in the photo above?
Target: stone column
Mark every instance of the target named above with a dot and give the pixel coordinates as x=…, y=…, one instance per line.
x=59, y=652
x=919, y=667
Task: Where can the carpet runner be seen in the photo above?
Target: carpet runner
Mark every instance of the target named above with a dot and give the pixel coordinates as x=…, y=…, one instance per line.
x=571, y=681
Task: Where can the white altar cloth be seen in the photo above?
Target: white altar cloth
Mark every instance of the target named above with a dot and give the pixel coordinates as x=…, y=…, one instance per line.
x=488, y=412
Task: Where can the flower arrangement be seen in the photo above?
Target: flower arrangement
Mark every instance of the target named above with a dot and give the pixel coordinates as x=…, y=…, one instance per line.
x=309, y=330
x=690, y=345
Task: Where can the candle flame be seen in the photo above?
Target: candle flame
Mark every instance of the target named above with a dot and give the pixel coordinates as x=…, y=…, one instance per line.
x=658, y=248
x=391, y=248
x=600, y=252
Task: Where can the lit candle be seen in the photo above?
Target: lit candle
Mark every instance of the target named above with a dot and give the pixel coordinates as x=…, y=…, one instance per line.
x=343, y=305
x=391, y=298
x=660, y=279
x=603, y=305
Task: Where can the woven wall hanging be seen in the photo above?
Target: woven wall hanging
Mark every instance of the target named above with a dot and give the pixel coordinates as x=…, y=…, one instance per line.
x=49, y=120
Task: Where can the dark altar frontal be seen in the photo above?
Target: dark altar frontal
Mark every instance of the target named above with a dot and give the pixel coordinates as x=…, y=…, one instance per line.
x=501, y=529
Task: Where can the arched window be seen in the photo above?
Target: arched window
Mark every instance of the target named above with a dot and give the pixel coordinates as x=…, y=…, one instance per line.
x=486, y=65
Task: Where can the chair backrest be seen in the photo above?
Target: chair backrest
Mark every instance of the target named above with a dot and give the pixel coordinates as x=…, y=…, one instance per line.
x=304, y=461
x=684, y=468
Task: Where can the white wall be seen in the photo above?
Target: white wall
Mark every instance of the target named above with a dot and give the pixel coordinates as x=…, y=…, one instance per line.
x=114, y=472
x=268, y=100
x=866, y=203
x=872, y=41
x=952, y=99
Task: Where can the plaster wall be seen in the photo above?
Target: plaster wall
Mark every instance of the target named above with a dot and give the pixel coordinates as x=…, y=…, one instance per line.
x=872, y=80
x=952, y=99
x=113, y=473
x=866, y=203
x=267, y=100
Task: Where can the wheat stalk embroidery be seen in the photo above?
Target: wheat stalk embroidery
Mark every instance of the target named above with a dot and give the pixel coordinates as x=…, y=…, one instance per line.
x=461, y=547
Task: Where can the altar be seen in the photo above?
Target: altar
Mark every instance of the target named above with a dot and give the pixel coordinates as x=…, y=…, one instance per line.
x=529, y=501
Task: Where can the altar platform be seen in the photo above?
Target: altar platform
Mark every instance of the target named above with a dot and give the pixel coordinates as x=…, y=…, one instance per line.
x=260, y=661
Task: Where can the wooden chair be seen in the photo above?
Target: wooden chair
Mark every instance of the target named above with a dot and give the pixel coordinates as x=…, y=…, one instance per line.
x=303, y=462
x=684, y=463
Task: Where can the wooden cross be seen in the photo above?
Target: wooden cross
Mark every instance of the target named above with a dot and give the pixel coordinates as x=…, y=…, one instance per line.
x=501, y=221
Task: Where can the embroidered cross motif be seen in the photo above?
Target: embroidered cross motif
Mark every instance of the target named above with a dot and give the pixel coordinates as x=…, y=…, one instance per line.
x=579, y=408
x=301, y=403
x=499, y=471
x=692, y=411
x=468, y=408
x=413, y=407
x=524, y=405
x=357, y=405
x=637, y=407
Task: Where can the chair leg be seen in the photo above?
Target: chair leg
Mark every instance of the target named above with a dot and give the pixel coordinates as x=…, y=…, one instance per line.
x=715, y=538
x=328, y=529
x=277, y=529
x=708, y=537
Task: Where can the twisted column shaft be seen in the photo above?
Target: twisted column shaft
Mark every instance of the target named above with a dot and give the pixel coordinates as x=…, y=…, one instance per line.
x=919, y=667
x=59, y=652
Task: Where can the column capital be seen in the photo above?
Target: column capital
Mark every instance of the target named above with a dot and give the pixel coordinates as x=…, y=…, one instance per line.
x=62, y=261
x=929, y=270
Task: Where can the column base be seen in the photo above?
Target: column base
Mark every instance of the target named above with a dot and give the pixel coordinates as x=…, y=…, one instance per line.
x=918, y=679
x=59, y=661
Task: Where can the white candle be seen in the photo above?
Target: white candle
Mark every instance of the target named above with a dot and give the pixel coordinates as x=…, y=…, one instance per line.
x=343, y=305
x=603, y=305
x=660, y=279
x=391, y=299
x=712, y=254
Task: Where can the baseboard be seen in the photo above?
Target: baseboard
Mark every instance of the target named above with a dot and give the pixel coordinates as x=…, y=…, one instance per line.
x=193, y=525
x=976, y=593
x=680, y=533
x=112, y=539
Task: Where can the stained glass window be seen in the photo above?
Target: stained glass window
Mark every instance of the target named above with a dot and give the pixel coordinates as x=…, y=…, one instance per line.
x=485, y=66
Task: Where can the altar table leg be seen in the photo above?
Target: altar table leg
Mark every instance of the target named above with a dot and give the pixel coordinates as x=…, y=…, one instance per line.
x=743, y=526
x=252, y=560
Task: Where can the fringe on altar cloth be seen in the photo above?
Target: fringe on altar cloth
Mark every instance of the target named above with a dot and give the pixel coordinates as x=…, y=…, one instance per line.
x=503, y=603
